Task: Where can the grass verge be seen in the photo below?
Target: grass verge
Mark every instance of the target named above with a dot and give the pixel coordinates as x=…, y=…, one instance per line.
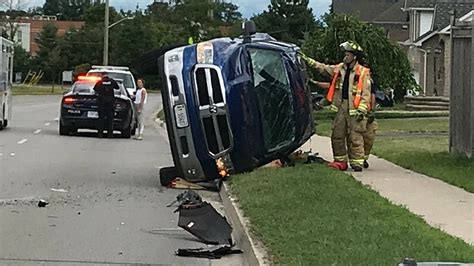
x=312, y=215
x=37, y=90
x=425, y=155
x=429, y=156
x=398, y=126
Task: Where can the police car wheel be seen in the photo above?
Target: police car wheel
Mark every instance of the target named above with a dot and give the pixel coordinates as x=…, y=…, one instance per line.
x=127, y=133
x=5, y=123
x=63, y=130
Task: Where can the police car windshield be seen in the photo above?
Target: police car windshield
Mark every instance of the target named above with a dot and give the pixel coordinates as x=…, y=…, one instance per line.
x=88, y=88
x=126, y=78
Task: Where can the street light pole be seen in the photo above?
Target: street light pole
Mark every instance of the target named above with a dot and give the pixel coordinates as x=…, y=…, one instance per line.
x=106, y=34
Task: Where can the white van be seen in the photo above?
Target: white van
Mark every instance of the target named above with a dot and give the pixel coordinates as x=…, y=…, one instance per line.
x=117, y=73
x=6, y=77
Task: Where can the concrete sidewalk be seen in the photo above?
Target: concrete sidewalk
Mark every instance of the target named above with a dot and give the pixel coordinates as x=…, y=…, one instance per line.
x=441, y=205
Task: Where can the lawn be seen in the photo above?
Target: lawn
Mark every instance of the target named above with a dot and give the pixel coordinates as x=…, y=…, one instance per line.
x=429, y=156
x=423, y=154
x=395, y=126
x=37, y=90
x=313, y=215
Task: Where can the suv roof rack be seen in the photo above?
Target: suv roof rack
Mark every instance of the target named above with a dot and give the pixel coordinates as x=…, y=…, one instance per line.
x=111, y=68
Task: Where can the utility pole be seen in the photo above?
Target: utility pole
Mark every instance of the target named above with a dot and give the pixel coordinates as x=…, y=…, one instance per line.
x=106, y=34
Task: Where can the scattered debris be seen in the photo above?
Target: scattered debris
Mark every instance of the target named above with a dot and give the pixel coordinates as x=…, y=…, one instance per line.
x=113, y=173
x=78, y=213
x=59, y=190
x=188, y=197
x=42, y=203
x=215, y=252
x=52, y=225
x=122, y=223
x=205, y=223
x=53, y=216
x=201, y=219
x=180, y=183
x=15, y=211
x=296, y=158
x=120, y=253
x=211, y=185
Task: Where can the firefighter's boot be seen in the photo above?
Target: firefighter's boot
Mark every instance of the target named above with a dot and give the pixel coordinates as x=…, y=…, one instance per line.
x=342, y=166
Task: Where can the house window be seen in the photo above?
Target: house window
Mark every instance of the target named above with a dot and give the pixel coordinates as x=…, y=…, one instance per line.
x=421, y=23
x=19, y=36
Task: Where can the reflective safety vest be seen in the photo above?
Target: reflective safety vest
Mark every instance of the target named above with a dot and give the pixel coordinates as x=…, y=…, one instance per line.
x=361, y=72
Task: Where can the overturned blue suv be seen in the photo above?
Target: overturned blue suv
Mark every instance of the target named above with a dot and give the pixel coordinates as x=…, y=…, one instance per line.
x=232, y=105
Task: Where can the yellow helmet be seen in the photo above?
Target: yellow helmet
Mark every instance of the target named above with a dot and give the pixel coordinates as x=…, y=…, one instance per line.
x=351, y=46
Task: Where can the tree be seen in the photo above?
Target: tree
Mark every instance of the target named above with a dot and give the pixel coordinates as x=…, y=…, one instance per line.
x=287, y=20
x=81, y=46
x=227, y=13
x=48, y=58
x=21, y=60
x=66, y=9
x=8, y=20
x=388, y=62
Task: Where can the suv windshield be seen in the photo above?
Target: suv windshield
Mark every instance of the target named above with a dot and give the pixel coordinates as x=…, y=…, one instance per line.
x=126, y=78
x=274, y=98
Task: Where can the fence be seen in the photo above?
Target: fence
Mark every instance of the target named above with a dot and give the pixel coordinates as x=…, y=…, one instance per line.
x=461, y=137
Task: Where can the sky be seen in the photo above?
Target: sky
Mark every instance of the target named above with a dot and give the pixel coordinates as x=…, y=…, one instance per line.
x=247, y=7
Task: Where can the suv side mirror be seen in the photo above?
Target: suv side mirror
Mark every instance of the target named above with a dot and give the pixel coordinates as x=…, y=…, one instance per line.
x=249, y=29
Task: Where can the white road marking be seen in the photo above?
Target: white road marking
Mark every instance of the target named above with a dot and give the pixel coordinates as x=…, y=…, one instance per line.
x=38, y=131
x=23, y=141
x=47, y=124
x=12, y=154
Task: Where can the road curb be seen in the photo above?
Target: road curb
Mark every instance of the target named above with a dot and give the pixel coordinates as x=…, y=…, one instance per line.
x=254, y=252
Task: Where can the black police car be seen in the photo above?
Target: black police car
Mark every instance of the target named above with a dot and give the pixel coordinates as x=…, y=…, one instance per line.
x=79, y=109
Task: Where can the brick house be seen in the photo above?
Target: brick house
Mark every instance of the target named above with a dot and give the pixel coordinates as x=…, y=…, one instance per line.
x=29, y=28
x=428, y=46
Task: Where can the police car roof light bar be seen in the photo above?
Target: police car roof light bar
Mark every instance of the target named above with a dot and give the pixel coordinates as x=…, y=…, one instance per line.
x=110, y=68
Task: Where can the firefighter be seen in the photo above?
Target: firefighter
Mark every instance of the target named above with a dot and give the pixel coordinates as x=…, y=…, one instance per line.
x=349, y=95
x=372, y=126
x=104, y=89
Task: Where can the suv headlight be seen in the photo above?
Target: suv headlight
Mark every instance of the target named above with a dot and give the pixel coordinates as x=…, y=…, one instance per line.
x=205, y=53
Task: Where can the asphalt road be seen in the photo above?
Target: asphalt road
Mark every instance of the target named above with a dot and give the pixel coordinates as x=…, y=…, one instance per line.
x=114, y=210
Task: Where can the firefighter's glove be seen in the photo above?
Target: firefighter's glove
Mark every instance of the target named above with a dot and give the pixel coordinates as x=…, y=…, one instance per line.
x=370, y=117
x=359, y=116
x=310, y=61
